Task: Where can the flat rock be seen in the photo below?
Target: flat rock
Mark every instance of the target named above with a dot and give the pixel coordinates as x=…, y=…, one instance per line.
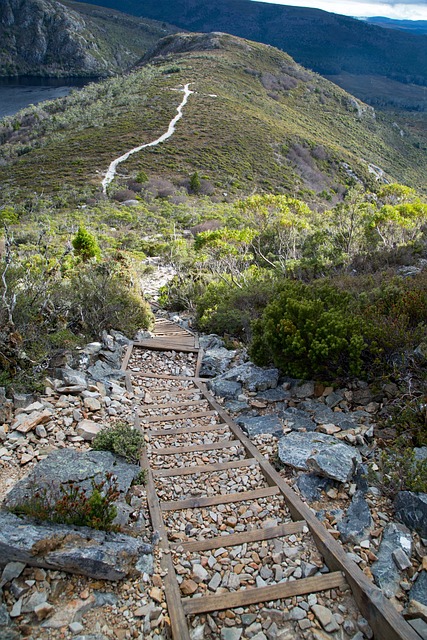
x=357, y=523
x=71, y=377
x=216, y=361
x=386, y=575
x=102, y=371
x=278, y=394
x=88, y=429
x=325, y=455
x=411, y=509
x=97, y=554
x=254, y=425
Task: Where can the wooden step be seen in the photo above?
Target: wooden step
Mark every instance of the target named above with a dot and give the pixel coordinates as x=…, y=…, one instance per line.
x=156, y=394
x=169, y=345
x=178, y=416
x=161, y=376
x=220, y=427
x=245, y=597
x=236, y=539
x=204, y=468
x=223, y=498
x=173, y=405
x=171, y=451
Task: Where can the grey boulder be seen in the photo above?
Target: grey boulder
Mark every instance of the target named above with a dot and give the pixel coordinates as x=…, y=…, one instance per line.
x=254, y=425
x=97, y=554
x=325, y=455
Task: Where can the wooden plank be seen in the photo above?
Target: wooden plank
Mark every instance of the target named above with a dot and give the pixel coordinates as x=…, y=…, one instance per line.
x=161, y=345
x=220, y=427
x=127, y=357
x=223, y=498
x=199, y=362
x=236, y=539
x=160, y=376
x=175, y=393
x=179, y=625
x=204, y=468
x=245, y=597
x=171, y=451
x=173, y=405
x=178, y=416
x=382, y=616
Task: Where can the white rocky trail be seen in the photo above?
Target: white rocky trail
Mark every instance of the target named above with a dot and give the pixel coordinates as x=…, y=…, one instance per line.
x=109, y=176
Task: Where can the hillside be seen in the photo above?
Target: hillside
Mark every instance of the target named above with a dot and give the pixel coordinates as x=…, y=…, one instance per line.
x=258, y=121
x=324, y=42
x=413, y=26
x=46, y=37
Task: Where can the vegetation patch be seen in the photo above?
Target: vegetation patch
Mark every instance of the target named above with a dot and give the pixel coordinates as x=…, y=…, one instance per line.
x=122, y=440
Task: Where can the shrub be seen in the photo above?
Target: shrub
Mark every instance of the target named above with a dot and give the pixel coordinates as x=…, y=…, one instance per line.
x=85, y=245
x=399, y=470
x=309, y=331
x=71, y=504
x=121, y=439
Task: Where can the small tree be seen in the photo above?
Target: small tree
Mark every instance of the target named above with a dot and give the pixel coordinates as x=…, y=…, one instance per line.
x=85, y=245
x=195, y=183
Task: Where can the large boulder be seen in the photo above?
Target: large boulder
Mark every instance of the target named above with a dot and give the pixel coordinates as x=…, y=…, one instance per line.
x=67, y=465
x=253, y=378
x=418, y=591
x=411, y=509
x=97, y=554
x=325, y=455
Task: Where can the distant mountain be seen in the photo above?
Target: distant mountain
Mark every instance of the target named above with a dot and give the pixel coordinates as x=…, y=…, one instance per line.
x=413, y=26
x=325, y=42
x=257, y=122
x=46, y=37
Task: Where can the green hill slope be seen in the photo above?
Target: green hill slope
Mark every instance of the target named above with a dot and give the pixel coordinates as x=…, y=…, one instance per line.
x=257, y=121
x=46, y=37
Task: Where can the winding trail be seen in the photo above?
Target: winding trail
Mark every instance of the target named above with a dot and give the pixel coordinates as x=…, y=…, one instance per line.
x=109, y=176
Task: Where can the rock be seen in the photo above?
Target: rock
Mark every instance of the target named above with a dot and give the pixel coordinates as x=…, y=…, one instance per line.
x=157, y=594
x=43, y=610
x=319, y=452
x=71, y=377
x=12, y=570
x=414, y=610
x=188, y=587
x=298, y=420
x=199, y=573
x=88, y=429
x=311, y=485
x=67, y=465
x=325, y=617
x=5, y=620
x=25, y=423
x=252, y=377
x=66, y=615
x=334, y=398
x=304, y=390
x=401, y=559
x=102, y=372
x=75, y=627
x=418, y=591
x=278, y=394
x=411, y=509
x=231, y=633
x=225, y=388
x=357, y=523
x=92, y=404
x=384, y=570
x=216, y=361
x=253, y=426
x=97, y=554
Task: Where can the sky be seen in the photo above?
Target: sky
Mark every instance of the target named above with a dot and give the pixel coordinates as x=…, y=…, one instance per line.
x=412, y=10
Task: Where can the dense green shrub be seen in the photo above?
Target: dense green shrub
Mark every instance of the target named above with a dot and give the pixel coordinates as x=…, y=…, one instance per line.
x=309, y=330
x=121, y=439
x=85, y=245
x=399, y=470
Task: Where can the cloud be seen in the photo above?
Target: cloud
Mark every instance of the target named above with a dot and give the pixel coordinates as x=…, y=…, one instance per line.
x=411, y=10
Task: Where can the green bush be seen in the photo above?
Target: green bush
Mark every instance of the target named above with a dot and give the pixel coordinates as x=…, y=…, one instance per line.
x=85, y=245
x=121, y=439
x=71, y=504
x=310, y=331
x=399, y=470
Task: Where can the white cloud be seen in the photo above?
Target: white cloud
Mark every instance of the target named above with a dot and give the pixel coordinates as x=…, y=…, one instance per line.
x=415, y=10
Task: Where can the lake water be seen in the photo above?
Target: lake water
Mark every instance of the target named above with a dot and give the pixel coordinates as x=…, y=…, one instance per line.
x=17, y=93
